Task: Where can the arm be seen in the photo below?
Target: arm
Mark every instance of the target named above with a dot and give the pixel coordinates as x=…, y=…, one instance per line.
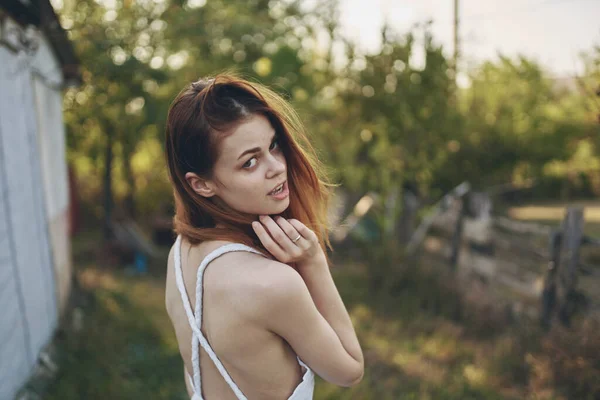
x=307, y=308
x=288, y=310
x=327, y=299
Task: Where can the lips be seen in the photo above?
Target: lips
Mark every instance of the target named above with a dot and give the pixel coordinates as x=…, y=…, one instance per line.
x=276, y=187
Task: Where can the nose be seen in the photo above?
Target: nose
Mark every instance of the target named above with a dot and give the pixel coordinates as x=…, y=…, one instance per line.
x=277, y=165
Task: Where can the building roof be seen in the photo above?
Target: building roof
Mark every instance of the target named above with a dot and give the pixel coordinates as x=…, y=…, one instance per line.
x=41, y=14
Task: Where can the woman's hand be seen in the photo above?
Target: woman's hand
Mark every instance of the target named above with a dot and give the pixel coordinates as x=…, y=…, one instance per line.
x=290, y=241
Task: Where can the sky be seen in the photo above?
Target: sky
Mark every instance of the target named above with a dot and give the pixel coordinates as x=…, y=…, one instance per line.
x=553, y=32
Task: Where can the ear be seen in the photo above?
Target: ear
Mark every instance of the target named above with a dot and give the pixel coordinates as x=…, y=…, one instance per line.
x=203, y=187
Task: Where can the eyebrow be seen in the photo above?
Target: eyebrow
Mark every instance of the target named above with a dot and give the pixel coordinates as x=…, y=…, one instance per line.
x=256, y=149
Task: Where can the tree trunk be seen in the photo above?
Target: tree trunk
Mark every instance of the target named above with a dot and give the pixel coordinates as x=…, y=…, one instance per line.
x=130, y=197
x=408, y=219
x=108, y=194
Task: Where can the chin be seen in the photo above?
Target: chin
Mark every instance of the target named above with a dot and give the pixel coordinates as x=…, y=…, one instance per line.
x=264, y=207
x=282, y=208
x=276, y=208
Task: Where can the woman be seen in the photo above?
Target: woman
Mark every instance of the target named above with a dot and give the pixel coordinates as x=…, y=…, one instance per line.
x=250, y=204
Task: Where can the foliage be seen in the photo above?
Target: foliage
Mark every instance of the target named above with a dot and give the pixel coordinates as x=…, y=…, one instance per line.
x=376, y=119
x=519, y=124
x=386, y=119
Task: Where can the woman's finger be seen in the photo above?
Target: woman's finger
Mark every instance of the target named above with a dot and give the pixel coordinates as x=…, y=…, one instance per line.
x=289, y=230
x=271, y=246
x=280, y=237
x=303, y=230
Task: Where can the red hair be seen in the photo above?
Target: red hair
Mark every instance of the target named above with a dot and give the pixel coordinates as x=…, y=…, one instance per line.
x=199, y=117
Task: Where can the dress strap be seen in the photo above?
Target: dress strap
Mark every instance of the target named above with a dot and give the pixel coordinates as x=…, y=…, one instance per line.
x=196, y=382
x=195, y=318
x=180, y=285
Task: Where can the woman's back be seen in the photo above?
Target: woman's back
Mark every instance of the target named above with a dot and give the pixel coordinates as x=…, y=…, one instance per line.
x=260, y=362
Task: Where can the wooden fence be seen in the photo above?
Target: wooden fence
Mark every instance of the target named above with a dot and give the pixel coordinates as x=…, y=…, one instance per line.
x=537, y=270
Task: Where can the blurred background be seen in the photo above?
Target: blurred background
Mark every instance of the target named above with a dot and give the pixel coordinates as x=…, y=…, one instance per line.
x=465, y=136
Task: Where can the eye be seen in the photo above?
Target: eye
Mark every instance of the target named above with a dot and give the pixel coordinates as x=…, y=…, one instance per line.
x=252, y=162
x=249, y=164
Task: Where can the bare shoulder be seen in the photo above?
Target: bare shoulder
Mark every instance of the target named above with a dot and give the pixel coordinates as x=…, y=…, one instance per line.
x=258, y=282
x=277, y=279
x=190, y=257
x=270, y=285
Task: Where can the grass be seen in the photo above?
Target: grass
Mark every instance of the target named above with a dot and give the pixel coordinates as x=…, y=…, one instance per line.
x=416, y=344
x=126, y=349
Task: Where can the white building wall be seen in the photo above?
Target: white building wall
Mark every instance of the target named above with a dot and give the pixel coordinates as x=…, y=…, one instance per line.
x=51, y=137
x=28, y=292
x=47, y=82
x=14, y=347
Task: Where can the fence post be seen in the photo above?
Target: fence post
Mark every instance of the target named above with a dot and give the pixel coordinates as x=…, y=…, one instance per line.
x=407, y=221
x=549, y=292
x=458, y=232
x=566, y=283
x=441, y=206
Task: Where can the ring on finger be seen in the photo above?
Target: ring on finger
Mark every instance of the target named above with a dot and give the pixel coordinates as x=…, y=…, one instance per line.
x=298, y=238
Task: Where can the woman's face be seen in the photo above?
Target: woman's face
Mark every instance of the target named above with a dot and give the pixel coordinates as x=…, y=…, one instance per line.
x=250, y=165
